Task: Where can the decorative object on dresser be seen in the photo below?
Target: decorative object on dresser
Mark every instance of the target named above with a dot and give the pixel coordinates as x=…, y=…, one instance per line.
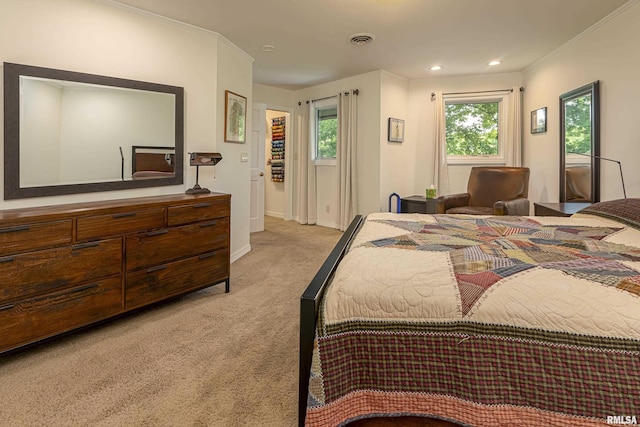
x=277, y=149
x=202, y=159
x=68, y=266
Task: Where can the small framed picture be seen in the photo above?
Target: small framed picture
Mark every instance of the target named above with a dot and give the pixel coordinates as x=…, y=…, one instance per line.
x=235, y=117
x=539, y=120
x=396, y=130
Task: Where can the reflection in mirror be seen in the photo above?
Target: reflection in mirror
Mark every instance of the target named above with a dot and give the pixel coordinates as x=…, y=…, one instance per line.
x=68, y=132
x=151, y=162
x=580, y=145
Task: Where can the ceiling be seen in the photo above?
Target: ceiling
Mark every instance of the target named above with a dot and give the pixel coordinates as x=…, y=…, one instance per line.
x=311, y=37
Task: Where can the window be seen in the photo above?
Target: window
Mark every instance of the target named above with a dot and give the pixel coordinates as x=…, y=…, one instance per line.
x=474, y=130
x=326, y=130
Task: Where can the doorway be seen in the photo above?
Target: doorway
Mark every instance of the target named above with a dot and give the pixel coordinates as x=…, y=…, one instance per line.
x=278, y=171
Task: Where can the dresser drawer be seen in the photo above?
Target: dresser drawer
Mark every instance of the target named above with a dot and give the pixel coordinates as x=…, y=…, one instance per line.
x=31, y=237
x=194, y=212
x=99, y=226
x=31, y=273
x=28, y=320
x=161, y=246
x=156, y=283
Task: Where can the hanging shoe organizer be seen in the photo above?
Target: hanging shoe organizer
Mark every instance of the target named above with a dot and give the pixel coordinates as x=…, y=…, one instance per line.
x=277, y=149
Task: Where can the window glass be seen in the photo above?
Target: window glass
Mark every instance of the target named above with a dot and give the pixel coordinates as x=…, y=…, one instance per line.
x=476, y=128
x=472, y=128
x=326, y=132
x=577, y=120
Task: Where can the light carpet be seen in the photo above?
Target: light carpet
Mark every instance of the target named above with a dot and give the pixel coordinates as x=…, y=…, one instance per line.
x=207, y=359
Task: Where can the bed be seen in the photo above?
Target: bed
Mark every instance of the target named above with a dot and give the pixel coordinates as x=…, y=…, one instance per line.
x=476, y=320
x=152, y=162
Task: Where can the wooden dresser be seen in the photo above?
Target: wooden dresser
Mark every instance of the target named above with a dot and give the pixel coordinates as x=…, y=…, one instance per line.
x=67, y=266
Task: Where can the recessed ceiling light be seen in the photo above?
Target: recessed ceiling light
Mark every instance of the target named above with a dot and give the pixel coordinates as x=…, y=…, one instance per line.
x=360, y=39
x=436, y=68
x=268, y=48
x=496, y=62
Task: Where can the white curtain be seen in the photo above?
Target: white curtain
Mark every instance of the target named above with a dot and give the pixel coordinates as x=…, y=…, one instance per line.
x=514, y=129
x=346, y=158
x=307, y=211
x=440, y=168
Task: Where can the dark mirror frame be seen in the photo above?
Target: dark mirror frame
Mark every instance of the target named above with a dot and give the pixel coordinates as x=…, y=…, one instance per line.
x=594, y=90
x=12, y=189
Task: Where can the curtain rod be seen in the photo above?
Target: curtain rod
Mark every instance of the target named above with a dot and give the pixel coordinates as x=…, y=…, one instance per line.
x=477, y=91
x=355, y=92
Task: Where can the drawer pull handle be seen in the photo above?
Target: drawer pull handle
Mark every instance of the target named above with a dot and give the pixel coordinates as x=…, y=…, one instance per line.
x=6, y=307
x=15, y=229
x=208, y=224
x=209, y=255
x=158, y=268
x=123, y=215
x=84, y=288
x=85, y=245
x=157, y=233
x=201, y=205
x=7, y=259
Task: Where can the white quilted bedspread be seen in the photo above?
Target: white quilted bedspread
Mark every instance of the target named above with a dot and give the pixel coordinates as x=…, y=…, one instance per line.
x=391, y=283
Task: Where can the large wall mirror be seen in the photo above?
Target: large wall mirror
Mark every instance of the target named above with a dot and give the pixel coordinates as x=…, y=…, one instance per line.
x=580, y=145
x=67, y=132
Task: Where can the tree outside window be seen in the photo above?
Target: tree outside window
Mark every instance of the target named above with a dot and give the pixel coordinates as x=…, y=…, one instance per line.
x=472, y=129
x=578, y=125
x=326, y=132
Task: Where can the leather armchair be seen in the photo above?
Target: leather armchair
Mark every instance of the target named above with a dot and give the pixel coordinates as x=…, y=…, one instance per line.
x=496, y=190
x=578, y=183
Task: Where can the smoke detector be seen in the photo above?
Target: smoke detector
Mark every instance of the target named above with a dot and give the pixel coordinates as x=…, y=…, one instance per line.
x=360, y=39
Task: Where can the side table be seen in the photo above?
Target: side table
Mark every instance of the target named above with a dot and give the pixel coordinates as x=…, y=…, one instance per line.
x=417, y=204
x=557, y=209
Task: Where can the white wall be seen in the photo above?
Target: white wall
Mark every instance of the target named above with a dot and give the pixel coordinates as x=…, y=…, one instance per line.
x=232, y=175
x=368, y=145
x=397, y=164
x=608, y=52
x=98, y=38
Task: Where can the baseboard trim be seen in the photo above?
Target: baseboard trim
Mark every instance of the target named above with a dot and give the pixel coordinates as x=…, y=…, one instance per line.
x=275, y=214
x=327, y=224
x=239, y=254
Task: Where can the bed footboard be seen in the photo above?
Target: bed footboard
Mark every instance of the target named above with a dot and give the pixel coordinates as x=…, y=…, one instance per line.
x=309, y=303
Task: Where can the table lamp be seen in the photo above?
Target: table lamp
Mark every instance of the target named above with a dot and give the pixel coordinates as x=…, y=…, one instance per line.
x=202, y=159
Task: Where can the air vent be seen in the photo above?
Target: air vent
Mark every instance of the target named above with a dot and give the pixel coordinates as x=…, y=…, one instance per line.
x=360, y=39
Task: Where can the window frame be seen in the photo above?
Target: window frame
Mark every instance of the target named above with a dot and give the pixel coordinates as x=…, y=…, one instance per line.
x=322, y=105
x=503, y=108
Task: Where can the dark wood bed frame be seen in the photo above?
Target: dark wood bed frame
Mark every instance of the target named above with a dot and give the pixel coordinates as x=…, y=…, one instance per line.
x=309, y=305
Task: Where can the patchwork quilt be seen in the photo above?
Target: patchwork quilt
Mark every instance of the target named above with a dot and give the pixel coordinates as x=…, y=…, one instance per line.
x=484, y=321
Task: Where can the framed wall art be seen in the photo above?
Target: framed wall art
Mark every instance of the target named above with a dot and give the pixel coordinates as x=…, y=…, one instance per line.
x=539, y=120
x=395, y=130
x=235, y=117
